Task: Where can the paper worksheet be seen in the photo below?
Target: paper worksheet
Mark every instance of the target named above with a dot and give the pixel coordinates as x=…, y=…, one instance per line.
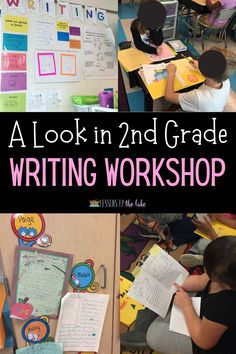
x=154, y=286
x=81, y=321
x=177, y=320
x=99, y=53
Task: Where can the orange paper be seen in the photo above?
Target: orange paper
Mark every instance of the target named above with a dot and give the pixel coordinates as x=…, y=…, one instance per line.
x=75, y=44
x=2, y=303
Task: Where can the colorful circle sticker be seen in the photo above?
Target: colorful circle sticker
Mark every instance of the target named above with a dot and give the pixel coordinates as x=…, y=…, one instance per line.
x=82, y=275
x=35, y=331
x=28, y=227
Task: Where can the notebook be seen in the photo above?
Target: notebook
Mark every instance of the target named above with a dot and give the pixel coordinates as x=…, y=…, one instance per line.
x=154, y=285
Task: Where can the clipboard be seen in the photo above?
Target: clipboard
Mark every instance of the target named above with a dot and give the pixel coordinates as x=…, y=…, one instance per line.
x=42, y=276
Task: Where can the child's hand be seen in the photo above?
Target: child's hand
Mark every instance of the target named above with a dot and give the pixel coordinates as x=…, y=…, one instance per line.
x=171, y=69
x=182, y=299
x=159, y=50
x=205, y=227
x=194, y=63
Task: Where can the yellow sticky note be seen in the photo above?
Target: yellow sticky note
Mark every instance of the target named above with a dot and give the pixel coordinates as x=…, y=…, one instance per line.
x=16, y=24
x=155, y=250
x=62, y=26
x=220, y=229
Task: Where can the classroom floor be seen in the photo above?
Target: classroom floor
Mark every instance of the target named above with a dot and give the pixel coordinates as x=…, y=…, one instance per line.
x=135, y=98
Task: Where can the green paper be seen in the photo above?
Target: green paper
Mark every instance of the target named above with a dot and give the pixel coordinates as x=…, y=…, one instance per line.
x=13, y=102
x=41, y=281
x=45, y=348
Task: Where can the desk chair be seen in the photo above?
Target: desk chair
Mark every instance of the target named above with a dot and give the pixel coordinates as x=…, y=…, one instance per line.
x=224, y=14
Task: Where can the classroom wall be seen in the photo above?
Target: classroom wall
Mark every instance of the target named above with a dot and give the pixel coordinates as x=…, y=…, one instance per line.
x=111, y=5
x=84, y=87
x=85, y=236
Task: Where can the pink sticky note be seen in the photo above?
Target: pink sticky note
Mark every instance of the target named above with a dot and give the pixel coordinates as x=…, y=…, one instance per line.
x=13, y=62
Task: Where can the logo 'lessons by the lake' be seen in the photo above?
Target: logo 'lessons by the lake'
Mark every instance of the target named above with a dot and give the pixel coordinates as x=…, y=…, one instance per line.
x=94, y=203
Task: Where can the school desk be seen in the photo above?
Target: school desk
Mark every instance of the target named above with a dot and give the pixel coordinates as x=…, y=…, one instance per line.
x=156, y=90
x=85, y=236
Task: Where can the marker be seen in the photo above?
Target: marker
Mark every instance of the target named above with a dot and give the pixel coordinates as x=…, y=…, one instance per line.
x=58, y=269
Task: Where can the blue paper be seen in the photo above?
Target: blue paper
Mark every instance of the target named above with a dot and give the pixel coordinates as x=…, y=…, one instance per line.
x=16, y=42
x=42, y=348
x=63, y=36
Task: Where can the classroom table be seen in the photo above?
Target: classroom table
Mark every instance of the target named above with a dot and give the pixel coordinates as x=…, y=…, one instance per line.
x=136, y=80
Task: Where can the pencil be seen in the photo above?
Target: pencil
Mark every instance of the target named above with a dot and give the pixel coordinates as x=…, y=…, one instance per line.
x=190, y=60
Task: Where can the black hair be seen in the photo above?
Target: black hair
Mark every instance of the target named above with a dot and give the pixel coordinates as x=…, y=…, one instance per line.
x=219, y=260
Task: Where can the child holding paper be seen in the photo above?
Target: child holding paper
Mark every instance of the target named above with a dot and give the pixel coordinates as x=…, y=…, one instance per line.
x=211, y=96
x=214, y=331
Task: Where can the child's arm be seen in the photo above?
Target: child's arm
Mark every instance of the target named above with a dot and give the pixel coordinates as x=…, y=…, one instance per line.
x=204, y=333
x=224, y=220
x=170, y=95
x=213, y=6
x=139, y=44
x=196, y=282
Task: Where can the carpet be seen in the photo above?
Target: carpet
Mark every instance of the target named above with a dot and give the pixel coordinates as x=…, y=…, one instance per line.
x=131, y=245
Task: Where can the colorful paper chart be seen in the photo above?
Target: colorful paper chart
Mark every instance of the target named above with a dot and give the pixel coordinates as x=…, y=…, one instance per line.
x=28, y=227
x=82, y=276
x=35, y=331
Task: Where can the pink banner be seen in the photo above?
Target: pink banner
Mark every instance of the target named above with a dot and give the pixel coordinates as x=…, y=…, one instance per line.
x=13, y=62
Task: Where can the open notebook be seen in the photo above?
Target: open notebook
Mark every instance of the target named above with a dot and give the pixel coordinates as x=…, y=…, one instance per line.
x=154, y=285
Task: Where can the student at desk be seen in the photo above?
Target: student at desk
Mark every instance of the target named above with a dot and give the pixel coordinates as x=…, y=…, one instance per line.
x=214, y=8
x=211, y=96
x=146, y=40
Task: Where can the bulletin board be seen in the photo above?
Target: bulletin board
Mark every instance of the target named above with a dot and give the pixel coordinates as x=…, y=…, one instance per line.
x=84, y=236
x=49, y=61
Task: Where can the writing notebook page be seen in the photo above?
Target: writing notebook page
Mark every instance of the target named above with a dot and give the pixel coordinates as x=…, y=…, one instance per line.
x=154, y=287
x=81, y=321
x=151, y=294
x=177, y=319
x=165, y=269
